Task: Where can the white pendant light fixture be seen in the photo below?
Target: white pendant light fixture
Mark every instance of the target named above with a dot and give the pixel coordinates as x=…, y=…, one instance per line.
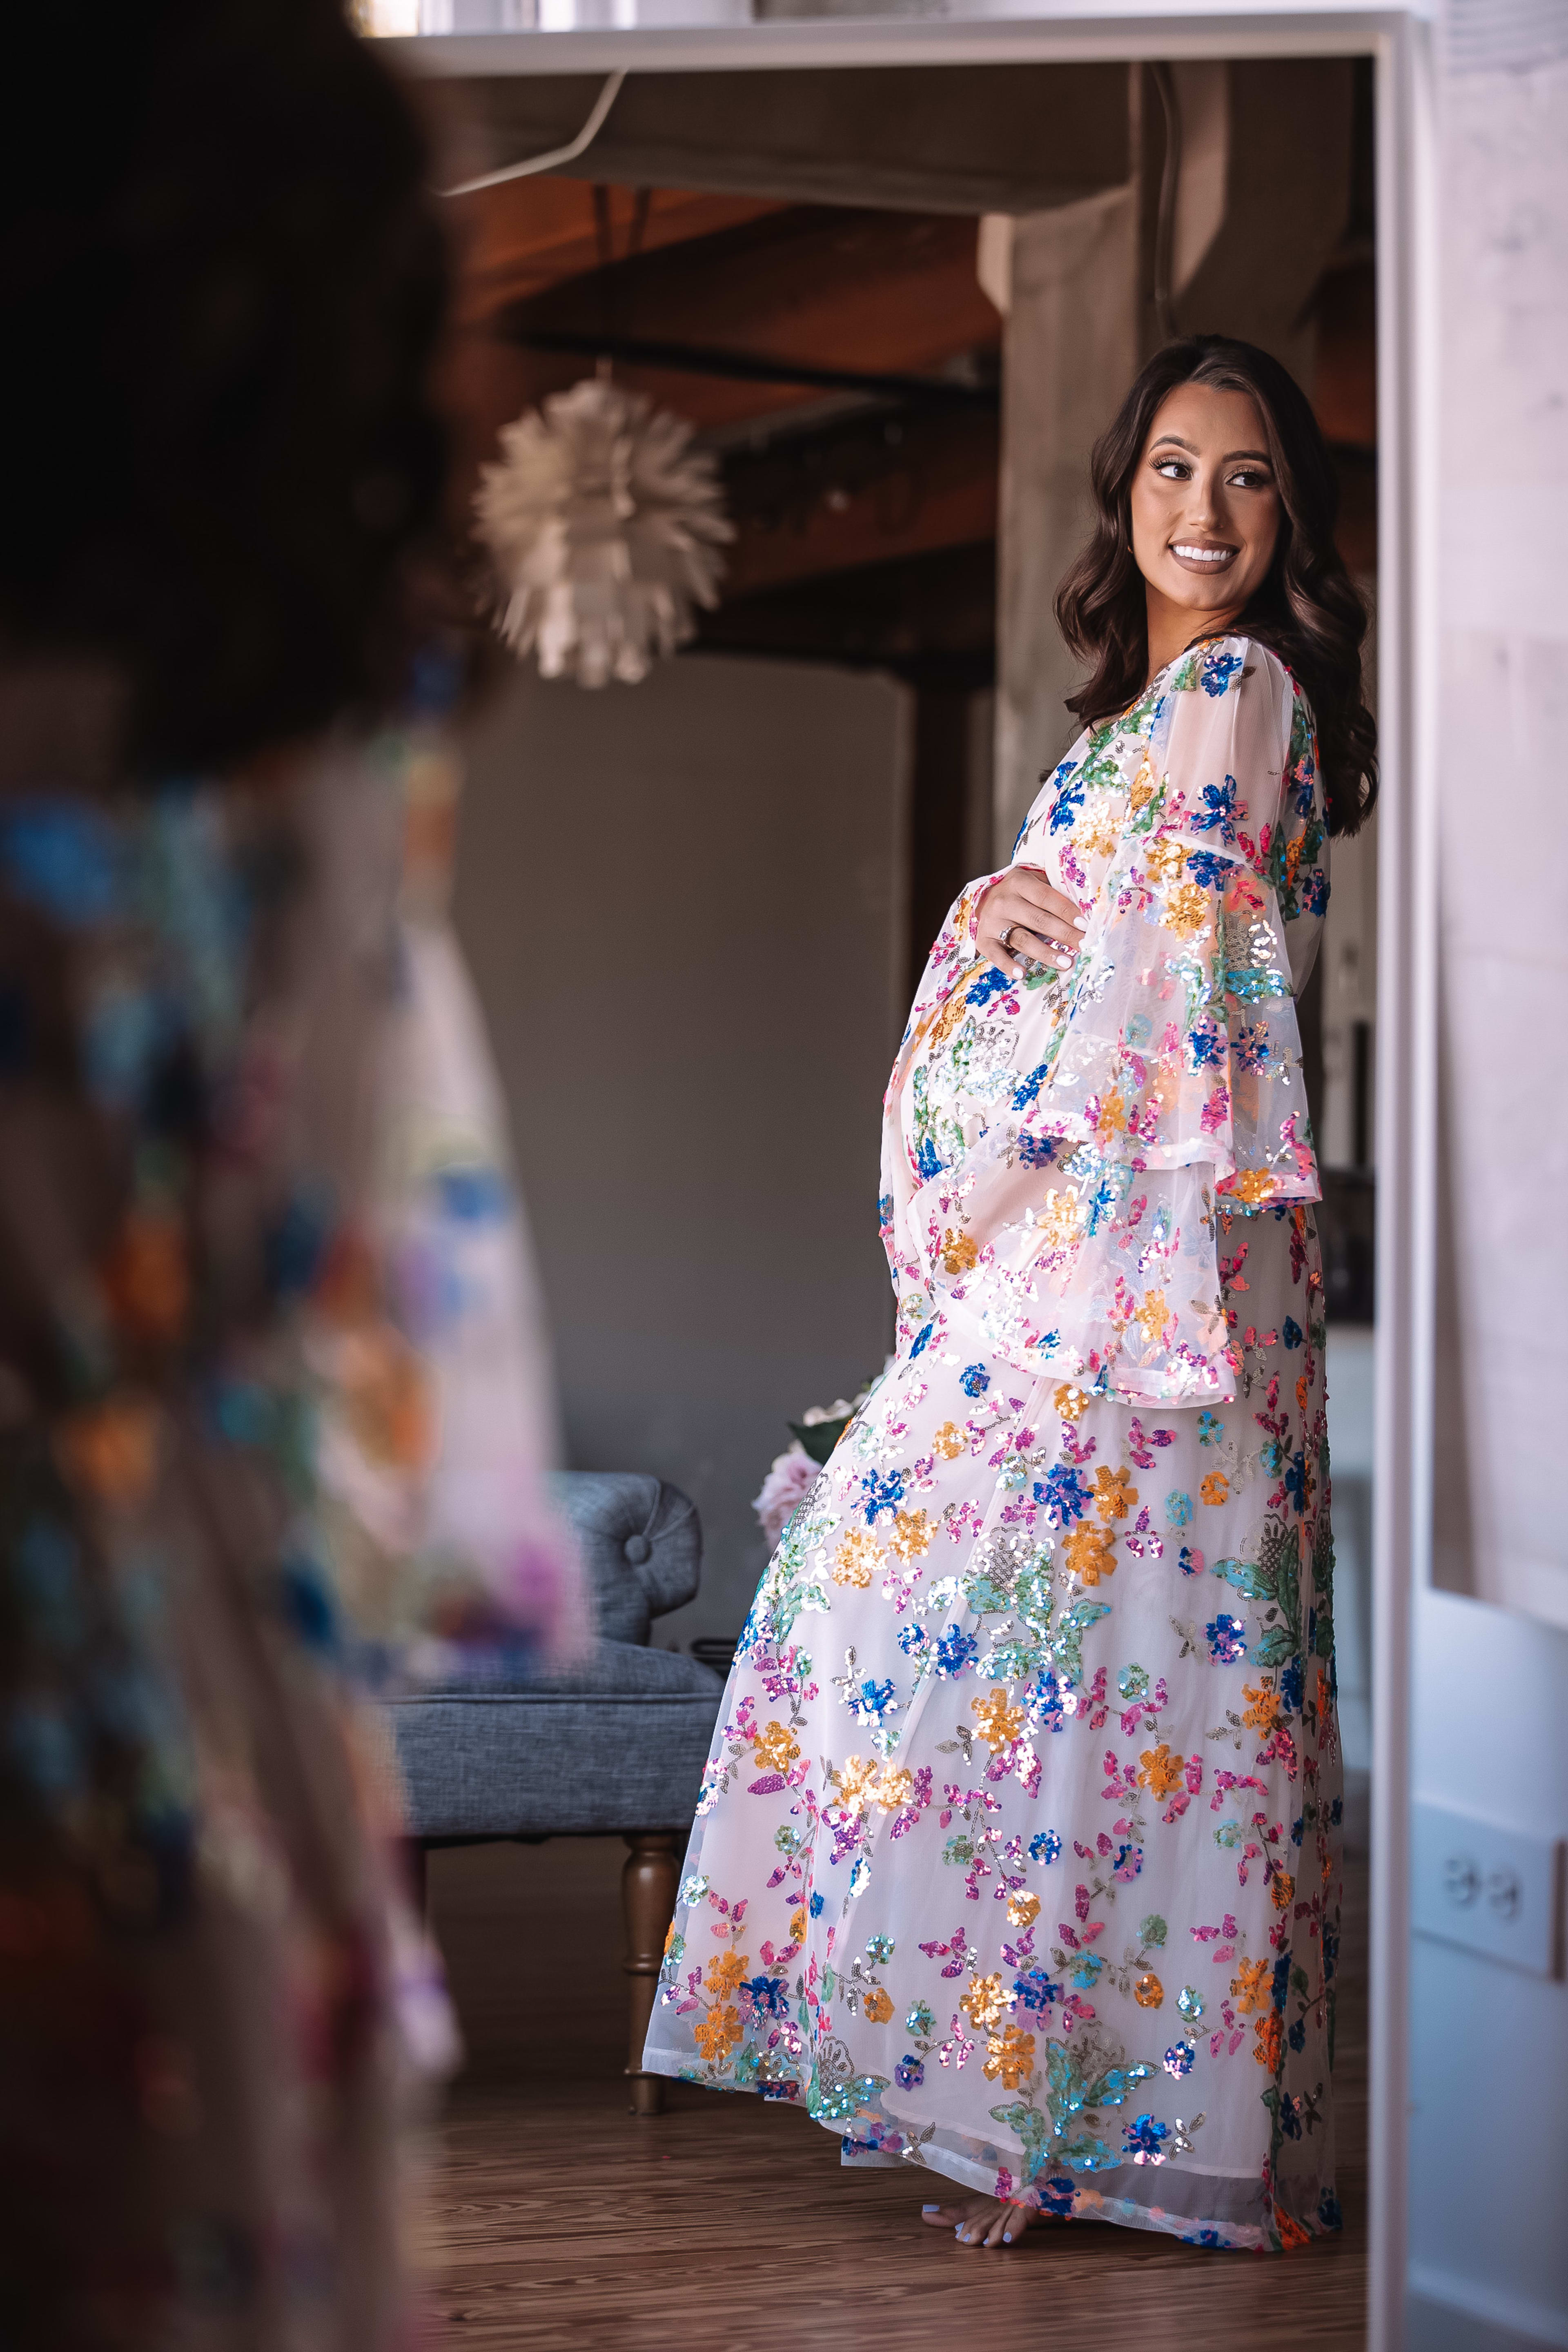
x=604, y=525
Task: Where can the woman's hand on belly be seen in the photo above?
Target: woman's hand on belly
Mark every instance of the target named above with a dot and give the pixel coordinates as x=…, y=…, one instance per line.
x=1042, y=925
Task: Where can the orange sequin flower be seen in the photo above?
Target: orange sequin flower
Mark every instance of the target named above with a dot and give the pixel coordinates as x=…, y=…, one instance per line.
x=1114, y=1493
x=1161, y=1771
x=1092, y=1552
x=1249, y=1985
x=726, y=1972
x=1011, y=2055
x=1263, y=1711
x=998, y=1723
x=777, y=1748
x=717, y=2034
x=983, y=2003
x=856, y=1558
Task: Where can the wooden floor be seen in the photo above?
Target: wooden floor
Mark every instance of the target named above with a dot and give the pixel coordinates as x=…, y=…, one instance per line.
x=557, y=2218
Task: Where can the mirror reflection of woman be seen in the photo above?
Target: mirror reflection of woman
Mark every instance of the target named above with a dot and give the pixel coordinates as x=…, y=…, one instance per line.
x=1017, y=1860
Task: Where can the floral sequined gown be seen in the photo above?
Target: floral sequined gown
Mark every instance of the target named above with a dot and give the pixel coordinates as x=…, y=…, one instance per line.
x=257, y=1261
x=1017, y=1857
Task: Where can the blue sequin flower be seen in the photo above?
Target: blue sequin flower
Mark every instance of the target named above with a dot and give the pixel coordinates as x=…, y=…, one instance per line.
x=1207, y=1043
x=1179, y=2060
x=1045, y=1846
x=871, y=1701
x=1228, y=1640
x=1035, y=1990
x=1066, y=806
x=974, y=1380
x=1296, y=1481
x=1038, y=1150
x=1207, y=869
x=909, y=2073
x=769, y=1996
x=1063, y=1495
x=991, y=983
x=956, y=1652
x=1145, y=2136
x=1218, y=813
x=879, y=1493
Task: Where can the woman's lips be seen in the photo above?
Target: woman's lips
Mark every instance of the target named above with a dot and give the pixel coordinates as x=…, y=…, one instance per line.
x=1193, y=556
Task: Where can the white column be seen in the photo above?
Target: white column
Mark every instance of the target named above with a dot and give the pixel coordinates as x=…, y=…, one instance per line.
x=1070, y=354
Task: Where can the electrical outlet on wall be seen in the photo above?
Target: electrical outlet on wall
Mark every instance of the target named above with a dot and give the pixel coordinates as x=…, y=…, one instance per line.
x=1496, y=1890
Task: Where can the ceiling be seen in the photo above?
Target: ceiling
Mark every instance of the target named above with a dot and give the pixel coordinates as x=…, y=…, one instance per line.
x=789, y=261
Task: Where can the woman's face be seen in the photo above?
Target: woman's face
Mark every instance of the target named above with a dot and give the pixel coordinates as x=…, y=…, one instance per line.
x=1205, y=506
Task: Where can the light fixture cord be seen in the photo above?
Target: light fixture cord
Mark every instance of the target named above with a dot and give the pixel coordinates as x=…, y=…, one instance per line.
x=1165, y=221
x=555, y=156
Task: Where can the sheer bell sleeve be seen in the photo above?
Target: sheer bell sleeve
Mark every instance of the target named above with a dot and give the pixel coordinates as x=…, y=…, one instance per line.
x=1079, y=1233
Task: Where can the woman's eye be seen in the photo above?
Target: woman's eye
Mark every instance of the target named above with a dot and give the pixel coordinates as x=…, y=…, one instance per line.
x=1251, y=477
x=1172, y=468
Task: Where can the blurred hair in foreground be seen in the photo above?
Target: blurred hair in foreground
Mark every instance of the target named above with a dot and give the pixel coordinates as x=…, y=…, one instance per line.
x=222, y=277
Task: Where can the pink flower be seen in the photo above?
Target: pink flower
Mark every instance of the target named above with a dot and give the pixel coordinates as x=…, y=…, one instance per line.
x=786, y=1484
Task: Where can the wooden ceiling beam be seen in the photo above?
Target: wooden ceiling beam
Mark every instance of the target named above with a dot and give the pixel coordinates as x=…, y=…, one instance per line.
x=802, y=511
x=520, y=238
x=872, y=293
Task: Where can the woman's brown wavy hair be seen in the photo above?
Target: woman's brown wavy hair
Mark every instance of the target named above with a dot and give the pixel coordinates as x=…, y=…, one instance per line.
x=1307, y=611
x=223, y=278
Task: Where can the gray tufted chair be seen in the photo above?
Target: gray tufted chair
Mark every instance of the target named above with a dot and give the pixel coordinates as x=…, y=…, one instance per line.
x=615, y=1745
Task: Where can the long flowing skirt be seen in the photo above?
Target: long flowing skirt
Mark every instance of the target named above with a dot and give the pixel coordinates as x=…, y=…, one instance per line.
x=1017, y=1856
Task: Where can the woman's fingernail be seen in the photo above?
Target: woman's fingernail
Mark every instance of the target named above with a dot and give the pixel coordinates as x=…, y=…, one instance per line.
x=930, y=2209
x=1007, y=2237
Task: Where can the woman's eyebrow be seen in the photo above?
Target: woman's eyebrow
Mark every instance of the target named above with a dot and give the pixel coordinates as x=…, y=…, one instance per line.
x=1259, y=457
x=1176, y=441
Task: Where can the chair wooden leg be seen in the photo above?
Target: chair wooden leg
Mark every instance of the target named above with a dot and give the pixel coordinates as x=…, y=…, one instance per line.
x=648, y=1892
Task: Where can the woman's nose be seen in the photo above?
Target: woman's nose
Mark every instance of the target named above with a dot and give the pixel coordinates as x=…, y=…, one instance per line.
x=1202, y=502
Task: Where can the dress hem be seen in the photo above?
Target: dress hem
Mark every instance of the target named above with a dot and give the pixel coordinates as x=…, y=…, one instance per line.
x=1088, y=2204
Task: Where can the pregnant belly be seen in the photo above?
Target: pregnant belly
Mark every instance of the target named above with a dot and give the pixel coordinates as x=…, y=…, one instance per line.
x=978, y=1061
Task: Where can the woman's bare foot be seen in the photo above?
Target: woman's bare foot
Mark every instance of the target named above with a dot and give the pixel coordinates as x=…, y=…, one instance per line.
x=982, y=2221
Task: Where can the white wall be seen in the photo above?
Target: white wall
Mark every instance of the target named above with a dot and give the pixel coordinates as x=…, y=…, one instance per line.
x=1489, y=2132
x=681, y=907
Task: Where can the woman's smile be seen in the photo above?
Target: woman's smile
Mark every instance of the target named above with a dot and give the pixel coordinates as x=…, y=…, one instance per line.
x=1194, y=555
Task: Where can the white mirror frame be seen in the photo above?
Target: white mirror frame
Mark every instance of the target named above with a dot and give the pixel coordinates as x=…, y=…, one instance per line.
x=1401, y=41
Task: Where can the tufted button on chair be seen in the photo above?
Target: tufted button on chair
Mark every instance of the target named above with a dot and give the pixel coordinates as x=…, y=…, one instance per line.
x=615, y=1745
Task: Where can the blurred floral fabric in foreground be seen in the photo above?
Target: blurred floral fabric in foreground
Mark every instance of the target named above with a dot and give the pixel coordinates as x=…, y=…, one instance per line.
x=272, y=1416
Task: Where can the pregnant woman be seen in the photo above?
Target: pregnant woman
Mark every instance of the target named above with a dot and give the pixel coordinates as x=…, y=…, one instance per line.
x=1017, y=1859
